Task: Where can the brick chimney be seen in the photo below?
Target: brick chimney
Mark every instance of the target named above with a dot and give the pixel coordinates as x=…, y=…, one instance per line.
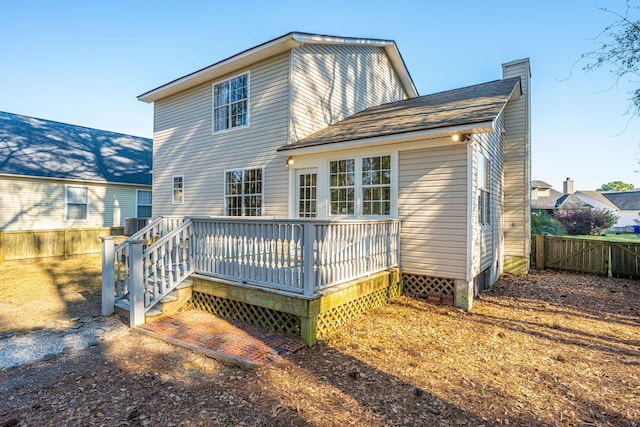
x=567, y=186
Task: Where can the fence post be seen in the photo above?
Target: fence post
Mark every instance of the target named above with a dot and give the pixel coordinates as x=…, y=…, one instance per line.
x=136, y=284
x=108, y=275
x=539, y=252
x=308, y=258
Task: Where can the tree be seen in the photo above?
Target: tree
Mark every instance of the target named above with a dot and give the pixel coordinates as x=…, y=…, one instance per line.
x=586, y=221
x=619, y=50
x=616, y=186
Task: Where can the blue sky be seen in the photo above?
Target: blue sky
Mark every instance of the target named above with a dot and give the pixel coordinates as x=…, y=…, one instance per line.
x=84, y=62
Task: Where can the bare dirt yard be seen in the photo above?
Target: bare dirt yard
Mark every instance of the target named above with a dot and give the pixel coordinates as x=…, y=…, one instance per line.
x=547, y=349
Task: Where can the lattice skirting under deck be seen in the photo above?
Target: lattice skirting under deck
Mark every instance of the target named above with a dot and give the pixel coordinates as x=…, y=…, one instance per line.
x=414, y=284
x=338, y=316
x=247, y=313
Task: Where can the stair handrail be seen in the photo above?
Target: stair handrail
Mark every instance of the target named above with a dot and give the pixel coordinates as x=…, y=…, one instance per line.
x=166, y=265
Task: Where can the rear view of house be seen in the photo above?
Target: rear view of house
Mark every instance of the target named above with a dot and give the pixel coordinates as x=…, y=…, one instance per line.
x=328, y=135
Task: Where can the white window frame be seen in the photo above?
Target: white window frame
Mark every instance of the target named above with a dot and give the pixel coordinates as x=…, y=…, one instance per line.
x=358, y=187
x=66, y=202
x=300, y=197
x=174, y=189
x=483, y=182
x=213, y=104
x=262, y=187
x=138, y=191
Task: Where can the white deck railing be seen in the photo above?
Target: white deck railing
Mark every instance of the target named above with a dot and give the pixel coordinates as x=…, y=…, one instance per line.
x=299, y=257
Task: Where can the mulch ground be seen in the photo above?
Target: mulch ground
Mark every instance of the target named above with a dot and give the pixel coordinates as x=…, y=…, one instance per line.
x=546, y=349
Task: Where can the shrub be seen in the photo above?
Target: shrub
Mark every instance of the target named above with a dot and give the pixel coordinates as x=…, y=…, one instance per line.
x=586, y=221
x=543, y=223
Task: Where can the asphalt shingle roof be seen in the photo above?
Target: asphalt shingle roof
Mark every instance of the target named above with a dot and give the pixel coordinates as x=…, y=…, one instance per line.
x=626, y=201
x=465, y=106
x=44, y=148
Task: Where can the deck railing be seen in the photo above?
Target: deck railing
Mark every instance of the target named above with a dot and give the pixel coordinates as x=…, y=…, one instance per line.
x=294, y=256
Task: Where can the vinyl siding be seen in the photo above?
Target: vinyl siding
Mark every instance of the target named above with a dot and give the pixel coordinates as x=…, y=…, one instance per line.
x=39, y=204
x=517, y=165
x=488, y=242
x=432, y=204
x=331, y=82
x=184, y=144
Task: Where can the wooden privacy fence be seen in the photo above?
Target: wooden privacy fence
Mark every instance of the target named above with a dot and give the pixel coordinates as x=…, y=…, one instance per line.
x=34, y=245
x=621, y=259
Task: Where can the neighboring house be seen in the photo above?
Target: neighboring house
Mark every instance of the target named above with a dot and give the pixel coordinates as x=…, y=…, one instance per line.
x=318, y=128
x=59, y=176
x=624, y=204
x=546, y=199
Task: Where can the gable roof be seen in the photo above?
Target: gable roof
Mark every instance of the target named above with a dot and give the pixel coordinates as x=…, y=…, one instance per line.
x=540, y=184
x=274, y=47
x=625, y=200
x=48, y=149
x=598, y=196
x=469, y=107
x=546, y=202
x=569, y=201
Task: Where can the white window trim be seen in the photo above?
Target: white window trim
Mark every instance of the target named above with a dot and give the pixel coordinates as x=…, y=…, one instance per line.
x=213, y=107
x=173, y=200
x=358, y=193
x=66, y=202
x=151, y=191
x=487, y=188
x=297, y=173
x=224, y=183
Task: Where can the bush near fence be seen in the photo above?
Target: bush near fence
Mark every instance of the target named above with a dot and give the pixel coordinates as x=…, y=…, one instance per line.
x=41, y=245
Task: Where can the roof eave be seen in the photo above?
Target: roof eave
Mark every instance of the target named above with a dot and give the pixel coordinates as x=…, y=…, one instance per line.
x=481, y=127
x=274, y=47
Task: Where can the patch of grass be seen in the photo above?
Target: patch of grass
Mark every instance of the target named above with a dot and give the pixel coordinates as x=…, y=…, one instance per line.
x=625, y=237
x=41, y=294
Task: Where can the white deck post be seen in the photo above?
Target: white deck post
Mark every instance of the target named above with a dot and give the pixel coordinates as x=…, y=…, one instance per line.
x=108, y=275
x=308, y=261
x=136, y=284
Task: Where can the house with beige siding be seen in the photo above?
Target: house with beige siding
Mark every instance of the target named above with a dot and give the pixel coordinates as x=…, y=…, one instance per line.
x=310, y=161
x=56, y=176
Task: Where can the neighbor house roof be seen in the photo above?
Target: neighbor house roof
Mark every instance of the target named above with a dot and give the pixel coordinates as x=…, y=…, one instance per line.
x=540, y=184
x=569, y=201
x=471, y=106
x=48, y=149
x=599, y=197
x=626, y=200
x=274, y=47
x=547, y=202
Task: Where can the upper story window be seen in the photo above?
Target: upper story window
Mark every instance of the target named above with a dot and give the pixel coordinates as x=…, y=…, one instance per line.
x=143, y=204
x=484, y=189
x=177, y=190
x=231, y=103
x=243, y=191
x=76, y=203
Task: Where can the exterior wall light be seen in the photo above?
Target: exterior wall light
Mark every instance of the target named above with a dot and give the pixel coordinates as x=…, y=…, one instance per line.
x=290, y=161
x=460, y=137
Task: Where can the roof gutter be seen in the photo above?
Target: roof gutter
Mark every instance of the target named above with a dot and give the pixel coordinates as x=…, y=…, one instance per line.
x=482, y=127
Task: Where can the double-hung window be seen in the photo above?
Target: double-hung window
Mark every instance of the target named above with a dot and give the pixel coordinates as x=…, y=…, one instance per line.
x=342, y=182
x=143, y=204
x=76, y=203
x=177, y=190
x=376, y=185
x=484, y=189
x=243, y=191
x=231, y=103
x=360, y=186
